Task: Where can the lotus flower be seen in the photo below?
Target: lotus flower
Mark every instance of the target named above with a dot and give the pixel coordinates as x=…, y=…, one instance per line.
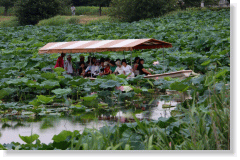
x=155, y=63
x=93, y=93
x=156, y=78
x=124, y=88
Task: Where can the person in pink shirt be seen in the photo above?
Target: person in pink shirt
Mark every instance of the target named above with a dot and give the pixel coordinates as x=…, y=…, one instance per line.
x=60, y=61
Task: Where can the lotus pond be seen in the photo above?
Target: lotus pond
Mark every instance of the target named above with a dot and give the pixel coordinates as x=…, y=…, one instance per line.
x=51, y=110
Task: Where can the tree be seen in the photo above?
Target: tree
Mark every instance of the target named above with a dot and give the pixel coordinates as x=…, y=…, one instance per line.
x=101, y=3
x=7, y=4
x=134, y=10
x=192, y=3
x=30, y=12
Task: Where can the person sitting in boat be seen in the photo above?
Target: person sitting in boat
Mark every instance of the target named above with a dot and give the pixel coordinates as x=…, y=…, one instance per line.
x=112, y=66
x=119, y=69
x=81, y=69
x=68, y=65
x=60, y=61
x=78, y=66
x=101, y=66
x=107, y=69
x=92, y=70
x=127, y=69
x=135, y=65
x=141, y=69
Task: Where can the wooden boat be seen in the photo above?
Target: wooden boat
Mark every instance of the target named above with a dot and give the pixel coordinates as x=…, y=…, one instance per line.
x=115, y=46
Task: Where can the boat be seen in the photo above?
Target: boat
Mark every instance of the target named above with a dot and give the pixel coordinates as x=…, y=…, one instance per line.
x=92, y=46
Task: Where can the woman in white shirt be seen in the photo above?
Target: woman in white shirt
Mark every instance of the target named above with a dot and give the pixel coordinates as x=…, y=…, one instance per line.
x=119, y=69
x=127, y=69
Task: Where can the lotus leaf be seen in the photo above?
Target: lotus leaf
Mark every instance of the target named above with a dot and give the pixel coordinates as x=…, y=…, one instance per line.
x=90, y=98
x=48, y=75
x=29, y=139
x=62, y=91
x=109, y=84
x=45, y=100
x=50, y=84
x=17, y=81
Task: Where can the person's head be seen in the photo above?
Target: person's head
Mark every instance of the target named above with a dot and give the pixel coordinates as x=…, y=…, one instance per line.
x=118, y=63
x=69, y=57
x=94, y=59
x=141, y=61
x=90, y=62
x=107, y=59
x=89, y=57
x=82, y=58
x=112, y=63
x=124, y=62
x=102, y=63
x=105, y=64
x=63, y=54
x=118, y=59
x=102, y=59
x=97, y=63
x=136, y=60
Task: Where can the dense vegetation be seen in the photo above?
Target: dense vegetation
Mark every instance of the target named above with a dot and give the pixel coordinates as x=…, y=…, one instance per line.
x=201, y=42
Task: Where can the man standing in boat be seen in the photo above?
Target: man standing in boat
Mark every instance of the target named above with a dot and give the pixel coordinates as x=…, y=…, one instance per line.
x=60, y=61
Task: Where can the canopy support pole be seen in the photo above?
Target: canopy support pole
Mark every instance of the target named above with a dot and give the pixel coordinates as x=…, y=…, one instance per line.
x=163, y=62
x=91, y=64
x=123, y=55
x=131, y=58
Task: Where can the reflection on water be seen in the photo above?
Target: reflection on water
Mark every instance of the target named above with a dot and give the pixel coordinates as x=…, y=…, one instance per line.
x=49, y=126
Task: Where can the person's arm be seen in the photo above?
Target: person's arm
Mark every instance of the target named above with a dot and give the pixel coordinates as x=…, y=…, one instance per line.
x=145, y=71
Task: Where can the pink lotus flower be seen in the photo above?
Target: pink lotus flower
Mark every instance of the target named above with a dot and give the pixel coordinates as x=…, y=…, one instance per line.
x=155, y=63
x=120, y=88
x=93, y=93
x=170, y=144
x=156, y=78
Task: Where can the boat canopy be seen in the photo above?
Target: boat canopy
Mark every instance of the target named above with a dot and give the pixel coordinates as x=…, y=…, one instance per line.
x=103, y=45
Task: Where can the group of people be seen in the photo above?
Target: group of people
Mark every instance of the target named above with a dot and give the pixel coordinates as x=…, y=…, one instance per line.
x=94, y=67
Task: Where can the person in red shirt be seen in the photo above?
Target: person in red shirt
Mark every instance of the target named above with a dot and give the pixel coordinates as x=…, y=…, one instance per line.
x=60, y=61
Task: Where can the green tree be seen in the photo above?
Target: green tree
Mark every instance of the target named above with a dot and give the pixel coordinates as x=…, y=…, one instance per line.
x=101, y=3
x=30, y=12
x=134, y=10
x=7, y=4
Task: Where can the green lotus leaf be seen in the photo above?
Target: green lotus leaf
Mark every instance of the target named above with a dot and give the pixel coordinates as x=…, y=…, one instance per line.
x=89, y=98
x=21, y=65
x=109, y=84
x=50, y=84
x=45, y=100
x=29, y=139
x=48, y=75
x=78, y=82
x=62, y=136
x=17, y=81
x=33, y=84
x=62, y=91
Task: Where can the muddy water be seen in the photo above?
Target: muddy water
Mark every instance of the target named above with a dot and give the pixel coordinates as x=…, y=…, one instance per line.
x=48, y=127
